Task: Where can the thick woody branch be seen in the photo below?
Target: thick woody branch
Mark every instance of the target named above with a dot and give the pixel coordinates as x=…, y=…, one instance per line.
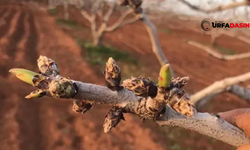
x=177, y=112
x=202, y=123
x=104, y=95
x=156, y=46
x=219, y=86
x=218, y=55
x=206, y=124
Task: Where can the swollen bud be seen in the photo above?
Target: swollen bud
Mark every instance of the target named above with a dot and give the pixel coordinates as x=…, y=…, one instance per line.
x=113, y=117
x=165, y=77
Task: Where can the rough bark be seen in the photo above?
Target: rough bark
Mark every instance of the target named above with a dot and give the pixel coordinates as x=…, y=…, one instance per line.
x=202, y=123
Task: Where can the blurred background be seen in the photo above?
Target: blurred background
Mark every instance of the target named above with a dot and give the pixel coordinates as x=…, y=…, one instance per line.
x=62, y=31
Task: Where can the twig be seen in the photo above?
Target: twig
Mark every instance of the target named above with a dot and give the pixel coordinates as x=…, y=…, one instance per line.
x=229, y=6
x=220, y=8
x=219, y=86
x=218, y=55
x=156, y=46
x=120, y=21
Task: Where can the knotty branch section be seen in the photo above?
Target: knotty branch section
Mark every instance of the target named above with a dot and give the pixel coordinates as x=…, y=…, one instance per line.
x=165, y=103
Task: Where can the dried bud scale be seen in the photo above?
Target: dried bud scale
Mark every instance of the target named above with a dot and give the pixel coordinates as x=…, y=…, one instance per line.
x=112, y=118
x=47, y=66
x=81, y=106
x=176, y=97
x=141, y=86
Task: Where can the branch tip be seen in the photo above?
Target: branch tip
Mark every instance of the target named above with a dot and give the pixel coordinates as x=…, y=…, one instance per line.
x=112, y=75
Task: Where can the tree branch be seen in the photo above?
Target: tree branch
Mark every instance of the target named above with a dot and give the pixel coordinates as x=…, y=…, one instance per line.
x=202, y=123
x=229, y=6
x=206, y=124
x=240, y=91
x=109, y=13
x=86, y=15
x=219, y=86
x=219, y=8
x=121, y=24
x=218, y=55
x=231, y=34
x=126, y=100
x=118, y=23
x=192, y=6
x=156, y=46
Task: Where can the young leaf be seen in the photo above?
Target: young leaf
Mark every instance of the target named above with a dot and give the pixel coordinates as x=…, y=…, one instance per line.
x=164, y=76
x=24, y=75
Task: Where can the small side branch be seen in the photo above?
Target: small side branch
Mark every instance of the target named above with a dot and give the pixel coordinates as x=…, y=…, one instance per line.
x=219, y=86
x=192, y=6
x=120, y=22
x=109, y=13
x=219, y=8
x=229, y=6
x=156, y=46
x=218, y=55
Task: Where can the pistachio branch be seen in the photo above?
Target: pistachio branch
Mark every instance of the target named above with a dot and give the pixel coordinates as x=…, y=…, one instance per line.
x=219, y=8
x=216, y=54
x=125, y=100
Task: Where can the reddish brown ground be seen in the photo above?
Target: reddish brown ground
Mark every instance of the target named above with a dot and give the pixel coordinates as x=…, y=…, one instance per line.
x=50, y=124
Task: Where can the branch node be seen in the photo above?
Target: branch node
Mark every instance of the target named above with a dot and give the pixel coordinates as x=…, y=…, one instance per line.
x=62, y=87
